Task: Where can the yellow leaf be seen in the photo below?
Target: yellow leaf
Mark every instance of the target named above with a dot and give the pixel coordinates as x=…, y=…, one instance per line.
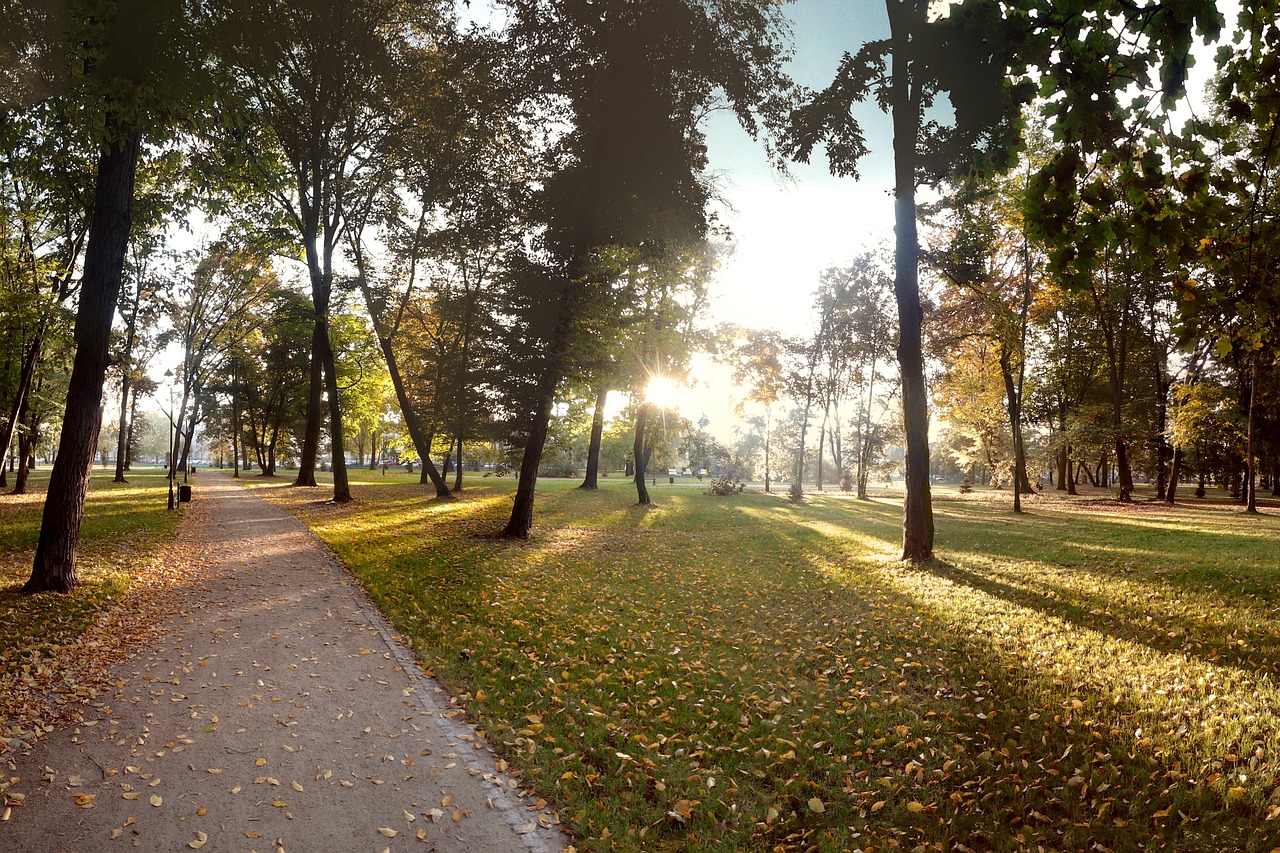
x=157, y=800
x=297, y=786
x=201, y=838
x=877, y=806
x=816, y=805
x=914, y=807
x=260, y=762
x=387, y=832
x=253, y=833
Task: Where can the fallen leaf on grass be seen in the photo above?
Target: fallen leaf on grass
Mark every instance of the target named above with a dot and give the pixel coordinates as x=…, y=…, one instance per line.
x=683, y=810
x=816, y=805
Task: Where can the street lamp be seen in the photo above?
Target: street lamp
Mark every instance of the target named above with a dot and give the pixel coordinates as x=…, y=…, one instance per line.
x=168, y=375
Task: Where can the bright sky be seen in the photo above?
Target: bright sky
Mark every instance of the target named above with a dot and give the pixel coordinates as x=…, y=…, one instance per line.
x=786, y=231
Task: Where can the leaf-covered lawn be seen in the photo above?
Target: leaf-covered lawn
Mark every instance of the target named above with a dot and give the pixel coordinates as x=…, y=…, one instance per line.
x=749, y=674
x=47, y=667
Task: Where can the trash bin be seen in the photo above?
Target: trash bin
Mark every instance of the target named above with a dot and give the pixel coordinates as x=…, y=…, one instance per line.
x=671, y=480
x=184, y=494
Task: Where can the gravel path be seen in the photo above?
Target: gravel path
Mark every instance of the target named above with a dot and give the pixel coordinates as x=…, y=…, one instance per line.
x=276, y=712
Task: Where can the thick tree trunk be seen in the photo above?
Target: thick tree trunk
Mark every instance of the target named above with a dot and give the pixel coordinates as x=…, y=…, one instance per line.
x=641, y=453
x=311, y=437
x=54, y=567
x=917, y=505
x=521, y=521
x=457, y=474
x=1175, y=471
x=341, y=485
x=589, y=481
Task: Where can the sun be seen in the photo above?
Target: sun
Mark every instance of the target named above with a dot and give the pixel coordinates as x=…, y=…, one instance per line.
x=662, y=391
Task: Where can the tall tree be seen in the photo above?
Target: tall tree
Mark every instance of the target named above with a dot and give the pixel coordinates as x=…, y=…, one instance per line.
x=137, y=63
x=308, y=100
x=1089, y=57
x=966, y=56
x=757, y=358
x=637, y=78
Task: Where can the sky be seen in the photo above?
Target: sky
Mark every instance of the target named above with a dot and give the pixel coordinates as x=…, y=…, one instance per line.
x=787, y=230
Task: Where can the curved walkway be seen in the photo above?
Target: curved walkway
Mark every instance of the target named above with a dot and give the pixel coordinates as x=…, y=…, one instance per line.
x=277, y=712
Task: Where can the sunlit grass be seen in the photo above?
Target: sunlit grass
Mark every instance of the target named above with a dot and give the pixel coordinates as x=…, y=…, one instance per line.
x=750, y=674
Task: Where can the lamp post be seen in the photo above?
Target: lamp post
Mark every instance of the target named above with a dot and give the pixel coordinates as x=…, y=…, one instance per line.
x=168, y=375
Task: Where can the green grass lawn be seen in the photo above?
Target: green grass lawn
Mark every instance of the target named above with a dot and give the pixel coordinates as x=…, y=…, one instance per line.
x=746, y=673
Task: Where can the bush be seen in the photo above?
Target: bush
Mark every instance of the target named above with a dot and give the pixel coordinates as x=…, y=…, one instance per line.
x=725, y=486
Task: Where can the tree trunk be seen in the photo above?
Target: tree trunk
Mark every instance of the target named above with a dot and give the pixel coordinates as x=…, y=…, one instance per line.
x=457, y=474
x=131, y=444
x=421, y=441
x=20, y=481
x=235, y=420
x=521, y=521
x=126, y=380
x=597, y=437
x=641, y=454
x=54, y=568
x=917, y=505
x=26, y=454
x=311, y=436
x=1175, y=471
x=1251, y=451
x=768, y=426
x=24, y=387
x=822, y=438
x=341, y=486
x=1013, y=403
